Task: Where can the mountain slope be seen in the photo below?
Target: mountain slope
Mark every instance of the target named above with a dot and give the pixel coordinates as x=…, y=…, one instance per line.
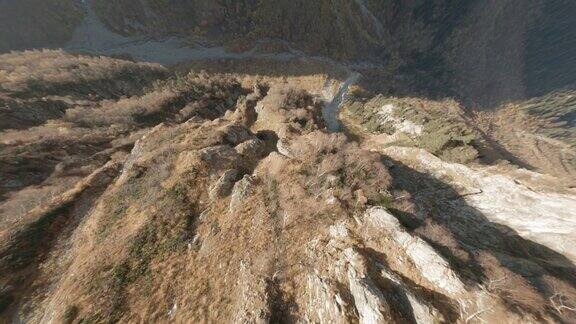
x=483, y=52
x=287, y=161
x=224, y=198
x=26, y=24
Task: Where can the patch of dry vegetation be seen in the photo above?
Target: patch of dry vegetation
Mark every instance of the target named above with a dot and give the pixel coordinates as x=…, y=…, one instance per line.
x=207, y=98
x=36, y=86
x=41, y=73
x=436, y=126
x=288, y=111
x=330, y=161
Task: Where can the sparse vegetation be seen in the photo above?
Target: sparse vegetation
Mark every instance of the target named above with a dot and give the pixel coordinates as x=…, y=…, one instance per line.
x=330, y=163
x=223, y=198
x=39, y=73
x=207, y=98
x=36, y=86
x=437, y=127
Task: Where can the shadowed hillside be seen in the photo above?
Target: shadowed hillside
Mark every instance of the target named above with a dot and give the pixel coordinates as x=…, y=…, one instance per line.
x=484, y=52
x=26, y=24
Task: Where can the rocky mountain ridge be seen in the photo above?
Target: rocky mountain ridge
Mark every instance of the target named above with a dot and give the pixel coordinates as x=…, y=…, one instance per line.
x=288, y=161
x=224, y=197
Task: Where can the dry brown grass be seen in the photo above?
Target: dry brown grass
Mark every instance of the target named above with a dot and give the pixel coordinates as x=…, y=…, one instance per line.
x=287, y=111
x=211, y=97
x=562, y=298
x=330, y=160
x=514, y=289
x=55, y=72
x=36, y=86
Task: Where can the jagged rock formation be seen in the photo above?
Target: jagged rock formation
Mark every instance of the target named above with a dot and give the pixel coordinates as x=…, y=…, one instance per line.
x=220, y=198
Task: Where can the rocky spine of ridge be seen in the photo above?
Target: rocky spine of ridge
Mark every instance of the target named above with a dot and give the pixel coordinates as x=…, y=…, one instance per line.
x=221, y=199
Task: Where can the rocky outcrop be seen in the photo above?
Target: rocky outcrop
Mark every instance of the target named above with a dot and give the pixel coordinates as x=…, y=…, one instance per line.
x=242, y=189
x=543, y=217
x=431, y=265
x=254, y=148
x=368, y=299
x=223, y=186
x=235, y=134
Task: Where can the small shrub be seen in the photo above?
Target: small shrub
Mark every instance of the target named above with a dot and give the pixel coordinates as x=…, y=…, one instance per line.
x=385, y=200
x=322, y=154
x=70, y=314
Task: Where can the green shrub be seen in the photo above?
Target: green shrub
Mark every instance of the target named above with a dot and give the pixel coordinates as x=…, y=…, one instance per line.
x=444, y=133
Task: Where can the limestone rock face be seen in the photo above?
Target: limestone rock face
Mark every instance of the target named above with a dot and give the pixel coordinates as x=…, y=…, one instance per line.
x=284, y=148
x=251, y=148
x=223, y=185
x=368, y=299
x=432, y=265
x=241, y=190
